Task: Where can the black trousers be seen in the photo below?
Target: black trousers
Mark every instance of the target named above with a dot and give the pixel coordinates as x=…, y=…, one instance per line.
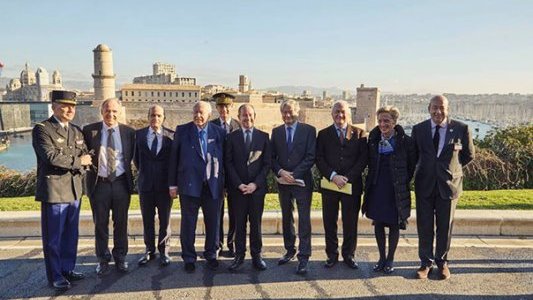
x=350, y=205
x=112, y=196
x=432, y=211
x=189, y=217
x=230, y=240
x=302, y=196
x=248, y=208
x=150, y=201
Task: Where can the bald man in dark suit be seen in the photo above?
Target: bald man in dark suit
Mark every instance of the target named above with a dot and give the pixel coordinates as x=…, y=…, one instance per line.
x=444, y=147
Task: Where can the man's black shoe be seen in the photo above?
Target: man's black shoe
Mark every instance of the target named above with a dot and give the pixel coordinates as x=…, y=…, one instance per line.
x=286, y=258
x=73, y=276
x=102, y=268
x=350, y=262
x=190, y=267
x=330, y=262
x=121, y=266
x=212, y=264
x=237, y=262
x=148, y=256
x=259, y=264
x=61, y=285
x=302, y=268
x=164, y=260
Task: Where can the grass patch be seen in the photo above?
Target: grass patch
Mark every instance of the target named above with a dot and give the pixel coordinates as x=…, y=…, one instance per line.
x=498, y=199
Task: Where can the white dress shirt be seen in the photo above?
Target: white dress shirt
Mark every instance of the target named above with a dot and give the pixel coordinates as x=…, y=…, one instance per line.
x=102, y=157
x=150, y=138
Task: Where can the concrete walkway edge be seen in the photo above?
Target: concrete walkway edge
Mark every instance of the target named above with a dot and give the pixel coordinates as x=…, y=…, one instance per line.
x=467, y=222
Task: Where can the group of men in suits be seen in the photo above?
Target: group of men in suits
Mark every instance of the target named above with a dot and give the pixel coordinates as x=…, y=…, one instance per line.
x=204, y=161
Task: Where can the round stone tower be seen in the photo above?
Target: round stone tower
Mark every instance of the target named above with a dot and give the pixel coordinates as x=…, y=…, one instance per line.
x=104, y=78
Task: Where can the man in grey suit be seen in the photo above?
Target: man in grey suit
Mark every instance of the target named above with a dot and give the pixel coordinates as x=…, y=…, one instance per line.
x=293, y=155
x=444, y=147
x=110, y=183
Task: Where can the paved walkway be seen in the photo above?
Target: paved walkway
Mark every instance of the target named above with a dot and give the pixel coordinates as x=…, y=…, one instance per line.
x=482, y=268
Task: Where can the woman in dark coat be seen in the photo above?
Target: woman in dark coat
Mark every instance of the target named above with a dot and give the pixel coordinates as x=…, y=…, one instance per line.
x=387, y=201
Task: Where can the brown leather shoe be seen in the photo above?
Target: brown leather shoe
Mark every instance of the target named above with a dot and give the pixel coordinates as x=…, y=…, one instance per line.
x=423, y=272
x=444, y=272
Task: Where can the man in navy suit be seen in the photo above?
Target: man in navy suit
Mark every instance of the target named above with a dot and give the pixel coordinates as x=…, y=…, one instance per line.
x=247, y=158
x=224, y=102
x=293, y=155
x=196, y=173
x=152, y=154
x=444, y=147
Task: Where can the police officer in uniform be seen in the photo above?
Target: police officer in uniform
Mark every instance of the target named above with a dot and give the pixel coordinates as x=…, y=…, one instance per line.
x=61, y=158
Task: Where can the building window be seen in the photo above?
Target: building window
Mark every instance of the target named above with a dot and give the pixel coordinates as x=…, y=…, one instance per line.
x=183, y=94
x=157, y=94
x=195, y=94
x=152, y=93
x=164, y=94
x=190, y=94
x=125, y=93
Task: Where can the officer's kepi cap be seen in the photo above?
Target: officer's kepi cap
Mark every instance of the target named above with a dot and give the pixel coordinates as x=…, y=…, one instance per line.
x=223, y=98
x=65, y=97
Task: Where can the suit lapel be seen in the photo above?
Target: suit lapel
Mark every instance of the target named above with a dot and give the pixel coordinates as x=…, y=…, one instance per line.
x=144, y=140
x=428, y=137
x=124, y=139
x=334, y=135
x=97, y=140
x=193, y=136
x=449, y=132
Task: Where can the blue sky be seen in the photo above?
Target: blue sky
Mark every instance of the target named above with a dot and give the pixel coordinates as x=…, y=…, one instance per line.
x=400, y=46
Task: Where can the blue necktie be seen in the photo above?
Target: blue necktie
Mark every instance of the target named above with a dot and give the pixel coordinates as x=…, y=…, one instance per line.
x=289, y=139
x=204, y=143
x=153, y=148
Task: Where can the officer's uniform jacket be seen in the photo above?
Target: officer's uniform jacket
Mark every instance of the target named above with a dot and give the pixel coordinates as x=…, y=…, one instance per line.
x=59, y=169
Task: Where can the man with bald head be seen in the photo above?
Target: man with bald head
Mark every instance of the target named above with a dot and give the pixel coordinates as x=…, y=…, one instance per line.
x=444, y=147
x=110, y=183
x=196, y=173
x=152, y=155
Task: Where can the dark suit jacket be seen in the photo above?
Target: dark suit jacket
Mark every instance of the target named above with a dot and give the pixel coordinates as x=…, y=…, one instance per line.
x=59, y=170
x=348, y=159
x=302, y=157
x=446, y=170
x=245, y=167
x=233, y=124
x=153, y=170
x=93, y=136
x=187, y=168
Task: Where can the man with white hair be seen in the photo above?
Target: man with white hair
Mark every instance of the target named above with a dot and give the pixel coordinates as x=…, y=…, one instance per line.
x=341, y=158
x=293, y=156
x=196, y=173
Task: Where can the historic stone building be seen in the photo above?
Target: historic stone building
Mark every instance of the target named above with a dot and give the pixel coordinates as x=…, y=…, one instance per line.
x=104, y=77
x=156, y=93
x=31, y=87
x=367, y=101
x=164, y=74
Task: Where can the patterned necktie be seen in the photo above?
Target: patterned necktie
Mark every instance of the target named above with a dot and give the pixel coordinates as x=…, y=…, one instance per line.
x=153, y=148
x=289, y=139
x=248, y=141
x=203, y=143
x=436, y=139
x=111, y=156
x=341, y=136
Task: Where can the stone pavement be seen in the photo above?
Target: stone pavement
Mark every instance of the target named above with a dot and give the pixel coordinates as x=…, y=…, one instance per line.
x=482, y=268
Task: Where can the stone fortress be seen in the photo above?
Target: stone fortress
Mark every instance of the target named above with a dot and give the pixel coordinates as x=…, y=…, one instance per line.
x=177, y=95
